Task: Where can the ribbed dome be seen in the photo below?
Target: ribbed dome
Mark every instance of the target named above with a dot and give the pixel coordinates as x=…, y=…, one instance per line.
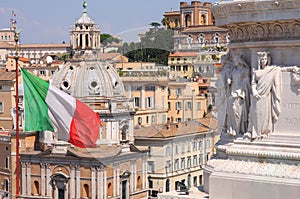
x=89, y=78
x=84, y=19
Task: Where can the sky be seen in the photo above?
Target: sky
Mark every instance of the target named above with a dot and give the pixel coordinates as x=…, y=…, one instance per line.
x=42, y=21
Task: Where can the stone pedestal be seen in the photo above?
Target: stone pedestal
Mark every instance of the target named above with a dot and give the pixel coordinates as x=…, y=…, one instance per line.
x=267, y=168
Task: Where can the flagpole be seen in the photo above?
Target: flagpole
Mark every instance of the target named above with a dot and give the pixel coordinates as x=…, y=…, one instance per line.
x=17, y=117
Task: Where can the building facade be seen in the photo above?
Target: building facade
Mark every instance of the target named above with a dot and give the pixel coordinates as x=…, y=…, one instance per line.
x=177, y=153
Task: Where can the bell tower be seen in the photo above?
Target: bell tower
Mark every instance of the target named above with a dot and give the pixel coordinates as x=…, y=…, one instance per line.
x=85, y=34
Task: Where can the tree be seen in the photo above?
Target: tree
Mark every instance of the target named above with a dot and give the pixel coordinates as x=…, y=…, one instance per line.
x=107, y=40
x=154, y=47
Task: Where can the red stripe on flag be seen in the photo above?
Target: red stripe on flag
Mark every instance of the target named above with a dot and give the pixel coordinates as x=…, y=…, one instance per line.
x=85, y=126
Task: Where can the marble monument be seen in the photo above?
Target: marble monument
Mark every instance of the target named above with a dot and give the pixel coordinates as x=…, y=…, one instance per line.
x=258, y=155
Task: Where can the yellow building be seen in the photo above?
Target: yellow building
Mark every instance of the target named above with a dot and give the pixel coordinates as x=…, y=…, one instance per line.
x=181, y=64
x=185, y=102
x=177, y=153
x=149, y=92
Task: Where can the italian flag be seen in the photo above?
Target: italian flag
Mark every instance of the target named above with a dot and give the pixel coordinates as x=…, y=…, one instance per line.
x=49, y=109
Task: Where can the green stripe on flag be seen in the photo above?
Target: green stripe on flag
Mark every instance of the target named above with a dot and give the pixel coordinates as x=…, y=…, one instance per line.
x=36, y=109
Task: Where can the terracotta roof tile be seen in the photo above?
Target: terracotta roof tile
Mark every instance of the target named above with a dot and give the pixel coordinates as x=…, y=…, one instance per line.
x=171, y=130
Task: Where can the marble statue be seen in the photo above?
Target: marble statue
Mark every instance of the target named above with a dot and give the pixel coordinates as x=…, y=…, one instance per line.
x=266, y=96
x=239, y=98
x=223, y=91
x=233, y=99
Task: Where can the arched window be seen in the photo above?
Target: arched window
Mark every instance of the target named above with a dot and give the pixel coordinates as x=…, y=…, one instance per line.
x=124, y=132
x=139, y=183
x=36, y=188
x=201, y=38
x=87, y=43
x=86, y=192
x=203, y=19
x=109, y=190
x=187, y=20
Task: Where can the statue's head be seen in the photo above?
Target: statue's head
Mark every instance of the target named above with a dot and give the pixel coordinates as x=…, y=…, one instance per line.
x=264, y=59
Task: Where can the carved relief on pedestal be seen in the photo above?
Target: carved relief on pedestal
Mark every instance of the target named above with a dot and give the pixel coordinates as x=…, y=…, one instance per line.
x=265, y=31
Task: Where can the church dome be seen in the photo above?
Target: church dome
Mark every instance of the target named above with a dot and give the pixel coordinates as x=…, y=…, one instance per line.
x=84, y=19
x=87, y=78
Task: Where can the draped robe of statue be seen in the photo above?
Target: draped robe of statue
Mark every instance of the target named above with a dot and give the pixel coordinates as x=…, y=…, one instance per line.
x=223, y=91
x=264, y=112
x=239, y=101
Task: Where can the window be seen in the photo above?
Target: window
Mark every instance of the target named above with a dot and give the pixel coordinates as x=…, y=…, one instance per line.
x=189, y=162
x=172, y=68
x=42, y=72
x=178, y=91
x=150, y=167
x=176, y=149
x=137, y=102
x=163, y=88
x=6, y=162
x=168, y=151
x=199, y=105
x=152, y=118
x=189, y=147
x=182, y=148
x=6, y=185
x=195, y=160
x=178, y=105
x=185, y=68
x=1, y=107
x=178, y=119
x=200, y=145
x=147, y=119
x=178, y=68
x=194, y=146
x=208, y=143
x=1, y=87
x=149, y=102
x=182, y=163
x=139, y=120
x=188, y=105
x=168, y=166
x=176, y=164
x=150, y=88
x=169, y=105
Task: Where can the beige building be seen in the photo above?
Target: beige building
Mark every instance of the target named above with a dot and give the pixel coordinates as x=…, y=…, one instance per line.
x=149, y=92
x=181, y=64
x=177, y=153
x=185, y=102
x=7, y=99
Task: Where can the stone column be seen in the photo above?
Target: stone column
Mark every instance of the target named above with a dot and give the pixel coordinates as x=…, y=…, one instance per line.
x=155, y=97
x=77, y=181
x=144, y=169
x=131, y=177
x=48, y=179
x=135, y=176
x=28, y=181
x=43, y=186
x=99, y=183
x=93, y=176
x=115, y=182
x=104, y=184
x=143, y=102
x=72, y=182
x=118, y=181
x=24, y=180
